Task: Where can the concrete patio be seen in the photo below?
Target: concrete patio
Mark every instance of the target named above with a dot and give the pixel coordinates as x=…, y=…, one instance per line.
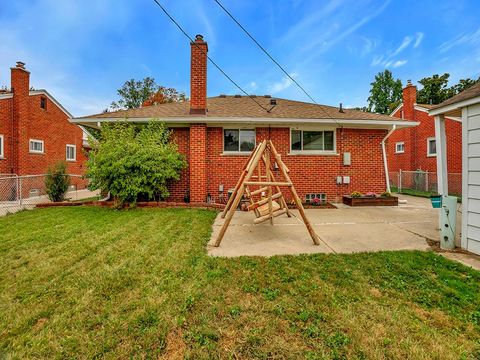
x=343, y=230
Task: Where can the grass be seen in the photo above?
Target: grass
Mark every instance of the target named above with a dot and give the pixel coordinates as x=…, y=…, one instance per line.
x=86, y=282
x=421, y=193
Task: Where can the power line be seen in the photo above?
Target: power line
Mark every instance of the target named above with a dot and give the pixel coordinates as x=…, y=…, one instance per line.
x=265, y=51
x=208, y=57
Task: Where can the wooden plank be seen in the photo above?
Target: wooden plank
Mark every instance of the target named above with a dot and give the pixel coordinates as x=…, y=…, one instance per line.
x=263, y=201
x=268, y=183
x=267, y=217
x=259, y=191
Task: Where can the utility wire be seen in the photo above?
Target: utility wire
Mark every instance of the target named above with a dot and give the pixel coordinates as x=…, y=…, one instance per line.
x=268, y=54
x=208, y=57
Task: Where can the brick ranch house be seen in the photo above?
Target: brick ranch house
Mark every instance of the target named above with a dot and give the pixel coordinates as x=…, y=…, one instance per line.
x=414, y=148
x=35, y=131
x=330, y=151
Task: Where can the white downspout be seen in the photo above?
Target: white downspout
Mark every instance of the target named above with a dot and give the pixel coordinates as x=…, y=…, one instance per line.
x=385, y=164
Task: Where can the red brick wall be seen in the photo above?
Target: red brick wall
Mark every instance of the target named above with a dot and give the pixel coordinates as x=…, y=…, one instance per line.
x=198, y=167
x=23, y=114
x=310, y=173
x=415, y=155
x=6, y=163
x=178, y=189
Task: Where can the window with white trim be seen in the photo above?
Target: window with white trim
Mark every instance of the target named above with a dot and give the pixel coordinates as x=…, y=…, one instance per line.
x=36, y=146
x=2, y=154
x=238, y=140
x=71, y=152
x=431, y=147
x=399, y=147
x=312, y=140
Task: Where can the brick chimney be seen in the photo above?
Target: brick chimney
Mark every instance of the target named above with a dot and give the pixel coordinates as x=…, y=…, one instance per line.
x=198, y=76
x=20, y=86
x=409, y=100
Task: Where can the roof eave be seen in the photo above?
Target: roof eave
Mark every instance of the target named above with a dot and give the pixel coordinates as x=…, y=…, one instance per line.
x=368, y=123
x=454, y=106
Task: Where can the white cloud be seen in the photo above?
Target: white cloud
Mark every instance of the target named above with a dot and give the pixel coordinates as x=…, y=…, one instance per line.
x=405, y=43
x=282, y=85
x=399, y=63
x=462, y=39
x=418, y=40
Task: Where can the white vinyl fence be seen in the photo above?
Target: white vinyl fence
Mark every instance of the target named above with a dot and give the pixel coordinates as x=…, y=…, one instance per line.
x=23, y=192
x=424, y=181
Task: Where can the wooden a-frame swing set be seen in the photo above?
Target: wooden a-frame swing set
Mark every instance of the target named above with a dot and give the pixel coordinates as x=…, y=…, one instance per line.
x=267, y=200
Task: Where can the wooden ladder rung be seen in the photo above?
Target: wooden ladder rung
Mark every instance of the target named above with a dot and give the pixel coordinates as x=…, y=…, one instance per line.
x=259, y=191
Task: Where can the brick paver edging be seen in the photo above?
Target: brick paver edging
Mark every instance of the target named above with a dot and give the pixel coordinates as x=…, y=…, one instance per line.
x=147, y=204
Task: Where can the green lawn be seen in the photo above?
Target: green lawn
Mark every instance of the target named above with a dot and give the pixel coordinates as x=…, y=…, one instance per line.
x=85, y=282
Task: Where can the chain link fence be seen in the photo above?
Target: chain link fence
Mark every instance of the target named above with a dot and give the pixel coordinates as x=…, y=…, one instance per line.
x=24, y=192
x=424, y=182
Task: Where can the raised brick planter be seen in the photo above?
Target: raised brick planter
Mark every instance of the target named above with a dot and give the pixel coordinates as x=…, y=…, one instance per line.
x=370, y=201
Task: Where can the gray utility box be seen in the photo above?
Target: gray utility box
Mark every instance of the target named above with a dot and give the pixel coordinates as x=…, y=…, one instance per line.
x=448, y=221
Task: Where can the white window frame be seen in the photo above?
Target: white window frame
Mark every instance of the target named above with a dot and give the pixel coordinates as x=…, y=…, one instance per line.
x=74, y=152
x=396, y=147
x=313, y=152
x=237, y=152
x=428, y=147
x=32, y=151
x=2, y=146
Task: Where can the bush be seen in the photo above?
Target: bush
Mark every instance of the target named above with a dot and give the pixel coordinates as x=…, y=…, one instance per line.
x=134, y=162
x=57, y=182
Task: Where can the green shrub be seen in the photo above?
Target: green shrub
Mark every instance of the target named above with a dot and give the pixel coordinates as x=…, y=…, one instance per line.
x=134, y=162
x=57, y=182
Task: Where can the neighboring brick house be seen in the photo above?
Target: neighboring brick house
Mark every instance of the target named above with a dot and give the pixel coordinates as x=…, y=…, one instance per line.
x=35, y=131
x=414, y=148
x=330, y=151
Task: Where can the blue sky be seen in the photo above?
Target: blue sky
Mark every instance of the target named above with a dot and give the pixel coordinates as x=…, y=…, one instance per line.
x=83, y=50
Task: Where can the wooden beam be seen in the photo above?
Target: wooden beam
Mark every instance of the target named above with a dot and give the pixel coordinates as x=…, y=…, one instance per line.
x=268, y=216
x=263, y=201
x=268, y=183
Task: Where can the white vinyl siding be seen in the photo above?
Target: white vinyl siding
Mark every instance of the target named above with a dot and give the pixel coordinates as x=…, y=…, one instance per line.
x=2, y=146
x=36, y=146
x=471, y=181
x=71, y=152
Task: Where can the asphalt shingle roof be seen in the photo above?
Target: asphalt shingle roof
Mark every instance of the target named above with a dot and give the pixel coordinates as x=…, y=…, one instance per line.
x=470, y=93
x=244, y=107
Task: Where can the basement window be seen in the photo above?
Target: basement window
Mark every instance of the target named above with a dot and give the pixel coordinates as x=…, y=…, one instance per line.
x=238, y=140
x=71, y=152
x=43, y=103
x=399, y=147
x=312, y=141
x=431, y=147
x=36, y=146
x=2, y=154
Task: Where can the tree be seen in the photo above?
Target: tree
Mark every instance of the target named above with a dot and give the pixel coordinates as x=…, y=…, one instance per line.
x=385, y=93
x=134, y=162
x=133, y=94
x=435, y=88
x=57, y=182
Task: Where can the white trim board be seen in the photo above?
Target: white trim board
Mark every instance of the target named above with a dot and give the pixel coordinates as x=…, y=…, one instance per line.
x=455, y=106
x=273, y=122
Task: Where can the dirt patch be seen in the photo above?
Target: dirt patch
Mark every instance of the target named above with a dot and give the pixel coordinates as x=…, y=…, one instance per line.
x=175, y=345
x=39, y=324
